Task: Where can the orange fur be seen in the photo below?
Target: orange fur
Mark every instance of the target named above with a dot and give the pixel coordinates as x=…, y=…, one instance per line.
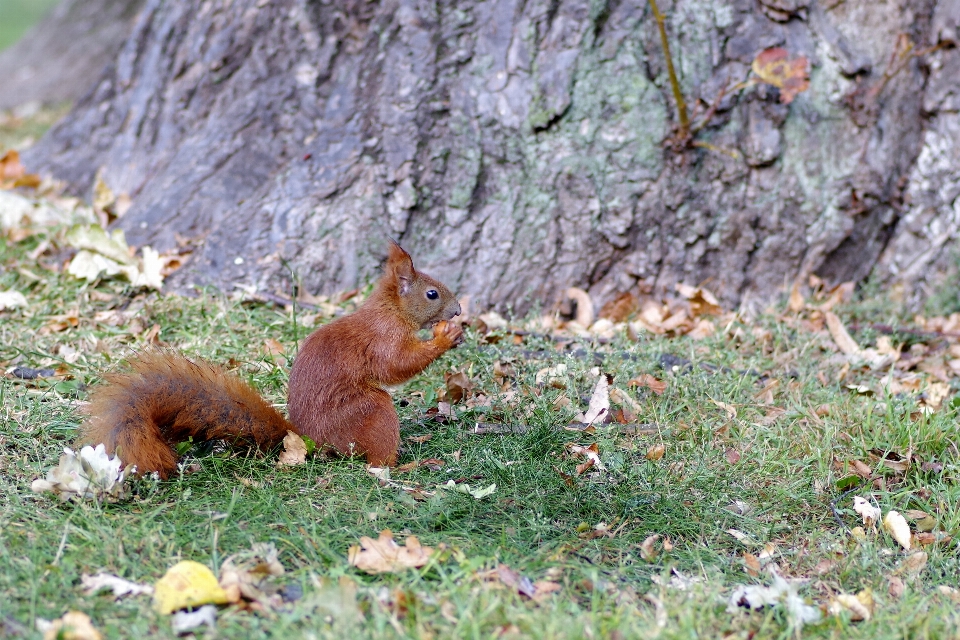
x=336, y=391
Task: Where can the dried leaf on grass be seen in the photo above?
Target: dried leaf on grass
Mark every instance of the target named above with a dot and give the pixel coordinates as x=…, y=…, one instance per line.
x=475, y=492
x=249, y=575
x=591, y=453
x=860, y=606
x=74, y=625
x=536, y=591
x=869, y=513
x=294, y=450
x=118, y=586
x=781, y=592
x=384, y=555
x=599, y=403
x=649, y=381
x=896, y=525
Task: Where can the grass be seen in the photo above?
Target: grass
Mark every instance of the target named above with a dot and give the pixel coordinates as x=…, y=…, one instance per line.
x=16, y=16
x=771, y=479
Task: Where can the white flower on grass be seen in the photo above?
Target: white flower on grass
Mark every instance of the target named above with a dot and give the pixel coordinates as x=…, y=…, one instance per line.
x=93, y=475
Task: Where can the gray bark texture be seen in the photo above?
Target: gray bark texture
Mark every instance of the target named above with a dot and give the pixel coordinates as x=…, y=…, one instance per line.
x=63, y=55
x=516, y=147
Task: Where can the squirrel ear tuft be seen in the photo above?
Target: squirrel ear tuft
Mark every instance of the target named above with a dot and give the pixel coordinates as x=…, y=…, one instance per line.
x=400, y=266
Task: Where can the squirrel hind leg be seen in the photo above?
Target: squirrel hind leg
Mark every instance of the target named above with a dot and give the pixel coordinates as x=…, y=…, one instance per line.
x=379, y=436
x=367, y=427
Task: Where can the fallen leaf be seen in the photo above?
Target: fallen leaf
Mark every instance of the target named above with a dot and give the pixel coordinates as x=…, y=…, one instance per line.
x=913, y=564
x=273, y=347
x=476, y=492
x=187, y=584
x=792, y=76
x=592, y=453
x=860, y=606
x=458, y=386
x=841, y=337
x=895, y=587
x=185, y=621
x=647, y=549
x=549, y=374
x=897, y=526
x=656, y=452
x=599, y=403
x=384, y=555
x=730, y=409
x=649, y=381
x=294, y=450
x=13, y=174
x=118, y=586
x=796, y=302
x=249, y=575
x=869, y=513
x=74, y=625
x=584, y=315
x=781, y=592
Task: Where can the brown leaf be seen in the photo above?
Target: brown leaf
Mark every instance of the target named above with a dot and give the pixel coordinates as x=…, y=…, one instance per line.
x=420, y=439
x=791, y=76
x=649, y=381
x=838, y=332
x=458, y=386
x=272, y=347
x=656, y=452
x=647, y=549
x=294, y=450
x=620, y=308
x=752, y=564
x=796, y=303
x=384, y=555
x=733, y=456
x=13, y=174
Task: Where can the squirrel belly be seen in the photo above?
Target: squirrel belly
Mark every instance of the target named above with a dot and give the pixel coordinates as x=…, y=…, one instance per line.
x=336, y=391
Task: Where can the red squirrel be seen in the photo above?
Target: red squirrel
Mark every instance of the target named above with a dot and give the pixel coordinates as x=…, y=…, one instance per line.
x=335, y=396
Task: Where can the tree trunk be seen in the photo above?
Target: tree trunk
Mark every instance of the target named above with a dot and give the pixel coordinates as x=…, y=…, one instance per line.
x=516, y=147
x=61, y=57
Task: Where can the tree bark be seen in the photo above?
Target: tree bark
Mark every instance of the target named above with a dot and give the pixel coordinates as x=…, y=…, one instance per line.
x=61, y=57
x=516, y=147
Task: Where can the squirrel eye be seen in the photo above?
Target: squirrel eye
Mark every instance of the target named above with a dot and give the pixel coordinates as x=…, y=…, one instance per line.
x=432, y=294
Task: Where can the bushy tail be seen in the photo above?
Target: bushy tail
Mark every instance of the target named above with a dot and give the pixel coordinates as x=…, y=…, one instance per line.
x=166, y=399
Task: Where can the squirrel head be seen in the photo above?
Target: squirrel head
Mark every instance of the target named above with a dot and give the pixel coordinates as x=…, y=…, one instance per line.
x=423, y=300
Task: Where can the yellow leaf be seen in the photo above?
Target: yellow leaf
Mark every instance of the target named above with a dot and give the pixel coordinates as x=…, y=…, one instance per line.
x=896, y=525
x=187, y=584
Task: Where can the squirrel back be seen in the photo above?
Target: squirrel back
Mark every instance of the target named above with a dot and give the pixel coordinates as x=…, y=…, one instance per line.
x=166, y=399
x=336, y=391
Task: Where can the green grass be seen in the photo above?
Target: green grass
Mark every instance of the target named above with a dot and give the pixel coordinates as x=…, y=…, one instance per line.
x=16, y=16
x=539, y=520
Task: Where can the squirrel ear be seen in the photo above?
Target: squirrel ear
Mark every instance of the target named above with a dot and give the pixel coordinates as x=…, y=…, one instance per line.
x=400, y=266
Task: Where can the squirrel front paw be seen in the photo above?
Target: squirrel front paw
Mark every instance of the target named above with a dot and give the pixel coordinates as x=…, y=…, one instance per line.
x=449, y=332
